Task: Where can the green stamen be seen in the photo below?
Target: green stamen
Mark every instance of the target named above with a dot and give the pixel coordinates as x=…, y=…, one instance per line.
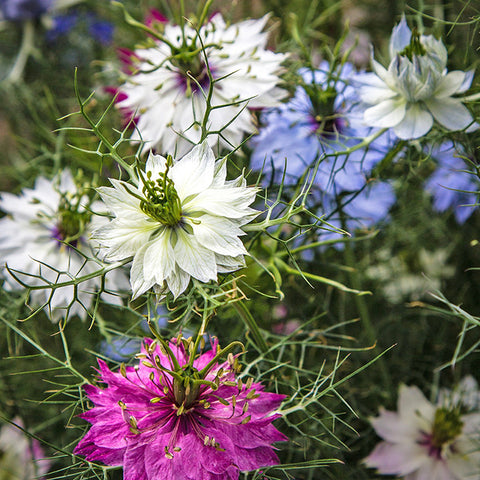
x=161, y=199
x=446, y=426
x=71, y=222
x=415, y=47
x=186, y=390
x=323, y=101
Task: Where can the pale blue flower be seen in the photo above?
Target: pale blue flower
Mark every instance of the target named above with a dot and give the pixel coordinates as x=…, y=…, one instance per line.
x=319, y=121
x=315, y=127
x=454, y=184
x=416, y=89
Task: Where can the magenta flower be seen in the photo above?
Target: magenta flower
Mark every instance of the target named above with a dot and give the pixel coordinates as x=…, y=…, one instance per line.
x=176, y=417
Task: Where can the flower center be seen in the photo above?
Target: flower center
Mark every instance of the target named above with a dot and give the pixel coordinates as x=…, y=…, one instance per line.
x=326, y=121
x=447, y=426
x=192, y=72
x=186, y=389
x=71, y=223
x=161, y=199
x=415, y=48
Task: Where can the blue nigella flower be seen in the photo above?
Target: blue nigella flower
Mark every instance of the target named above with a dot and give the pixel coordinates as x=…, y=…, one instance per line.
x=98, y=29
x=454, y=184
x=19, y=10
x=320, y=122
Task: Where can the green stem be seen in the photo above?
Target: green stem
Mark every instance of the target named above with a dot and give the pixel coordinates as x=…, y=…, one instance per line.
x=362, y=307
x=200, y=334
x=323, y=243
x=310, y=276
x=251, y=325
x=203, y=372
x=25, y=51
x=65, y=364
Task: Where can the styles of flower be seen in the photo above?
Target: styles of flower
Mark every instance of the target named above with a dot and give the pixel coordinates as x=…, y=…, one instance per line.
x=416, y=89
x=180, y=416
x=426, y=441
x=315, y=131
x=181, y=220
x=44, y=241
x=167, y=88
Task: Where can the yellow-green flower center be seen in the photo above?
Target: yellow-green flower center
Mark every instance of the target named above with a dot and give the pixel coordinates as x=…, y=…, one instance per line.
x=187, y=387
x=447, y=426
x=161, y=200
x=71, y=222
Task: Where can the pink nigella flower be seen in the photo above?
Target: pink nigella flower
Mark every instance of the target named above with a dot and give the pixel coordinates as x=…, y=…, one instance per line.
x=176, y=417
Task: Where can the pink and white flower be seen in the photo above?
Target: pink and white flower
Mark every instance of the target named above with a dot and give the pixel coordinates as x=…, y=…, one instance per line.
x=423, y=441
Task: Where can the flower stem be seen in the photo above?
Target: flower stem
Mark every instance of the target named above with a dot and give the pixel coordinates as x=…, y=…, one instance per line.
x=251, y=325
x=200, y=334
x=310, y=276
x=370, y=332
x=25, y=50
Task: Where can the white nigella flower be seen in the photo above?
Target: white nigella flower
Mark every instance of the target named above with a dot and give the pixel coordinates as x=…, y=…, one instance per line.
x=181, y=220
x=416, y=89
x=423, y=441
x=466, y=394
x=170, y=106
x=40, y=239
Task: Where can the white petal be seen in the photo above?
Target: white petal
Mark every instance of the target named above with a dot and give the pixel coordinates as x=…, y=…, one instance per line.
x=118, y=200
x=159, y=260
x=400, y=38
x=471, y=423
x=218, y=234
x=121, y=239
x=197, y=261
x=373, y=94
x=467, y=81
x=434, y=470
x=450, y=84
x=416, y=123
x=230, y=202
x=397, y=459
x=381, y=71
x=194, y=172
x=463, y=467
x=227, y=264
x=393, y=428
x=450, y=113
x=178, y=282
x=387, y=113
x=137, y=280
x=412, y=404
x=156, y=164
